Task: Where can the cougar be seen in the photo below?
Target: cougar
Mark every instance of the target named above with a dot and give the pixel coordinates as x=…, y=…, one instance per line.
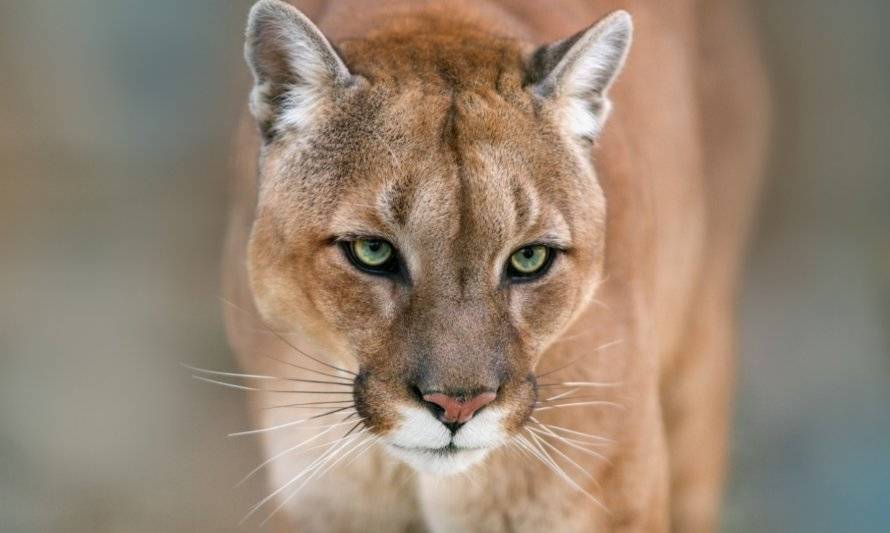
x=483, y=256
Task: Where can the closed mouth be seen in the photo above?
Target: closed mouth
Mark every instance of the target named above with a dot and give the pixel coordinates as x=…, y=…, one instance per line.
x=444, y=451
x=445, y=460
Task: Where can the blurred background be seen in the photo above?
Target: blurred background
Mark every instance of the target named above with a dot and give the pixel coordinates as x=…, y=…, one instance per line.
x=115, y=127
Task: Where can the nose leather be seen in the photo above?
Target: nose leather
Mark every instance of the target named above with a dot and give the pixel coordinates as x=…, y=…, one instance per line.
x=455, y=410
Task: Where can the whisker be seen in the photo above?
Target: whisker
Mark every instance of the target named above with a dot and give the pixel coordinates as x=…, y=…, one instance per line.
x=311, y=407
x=572, y=431
x=571, y=481
x=322, y=382
x=563, y=398
x=291, y=449
x=577, y=447
x=523, y=444
x=353, y=428
x=579, y=335
x=327, y=465
x=287, y=342
x=288, y=424
x=542, y=455
x=330, y=403
x=597, y=384
x=595, y=350
x=254, y=389
x=372, y=441
x=314, y=371
x=332, y=450
x=558, y=396
x=580, y=404
x=261, y=376
x=579, y=442
x=319, y=361
x=228, y=374
x=580, y=468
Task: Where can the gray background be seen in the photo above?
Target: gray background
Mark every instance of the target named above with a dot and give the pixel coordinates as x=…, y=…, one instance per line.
x=115, y=119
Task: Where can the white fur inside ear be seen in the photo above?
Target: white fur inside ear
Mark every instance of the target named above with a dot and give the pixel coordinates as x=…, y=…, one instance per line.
x=300, y=107
x=259, y=102
x=581, y=120
x=584, y=74
x=296, y=107
x=293, y=64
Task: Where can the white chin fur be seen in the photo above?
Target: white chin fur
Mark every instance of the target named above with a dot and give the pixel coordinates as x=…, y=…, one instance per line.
x=438, y=463
x=426, y=444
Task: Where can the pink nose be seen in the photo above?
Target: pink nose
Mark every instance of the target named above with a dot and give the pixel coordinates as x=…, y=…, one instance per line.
x=455, y=410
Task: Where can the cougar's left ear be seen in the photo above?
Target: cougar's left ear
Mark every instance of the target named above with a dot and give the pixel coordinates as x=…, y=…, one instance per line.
x=296, y=70
x=575, y=74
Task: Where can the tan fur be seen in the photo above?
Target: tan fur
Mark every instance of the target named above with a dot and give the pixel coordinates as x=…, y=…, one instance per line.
x=442, y=149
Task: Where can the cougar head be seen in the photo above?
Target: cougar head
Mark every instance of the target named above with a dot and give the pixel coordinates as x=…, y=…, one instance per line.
x=427, y=206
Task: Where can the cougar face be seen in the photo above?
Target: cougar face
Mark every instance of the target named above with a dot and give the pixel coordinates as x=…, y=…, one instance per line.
x=427, y=207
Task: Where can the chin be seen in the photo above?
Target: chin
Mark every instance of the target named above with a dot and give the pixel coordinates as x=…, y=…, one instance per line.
x=439, y=461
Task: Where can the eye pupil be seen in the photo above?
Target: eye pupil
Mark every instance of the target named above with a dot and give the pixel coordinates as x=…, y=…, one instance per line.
x=529, y=261
x=375, y=255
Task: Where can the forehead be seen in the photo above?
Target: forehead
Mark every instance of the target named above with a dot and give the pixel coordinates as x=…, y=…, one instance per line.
x=463, y=165
x=442, y=141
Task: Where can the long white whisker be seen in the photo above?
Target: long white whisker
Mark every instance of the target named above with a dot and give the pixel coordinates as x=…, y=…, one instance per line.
x=325, y=403
x=580, y=468
x=581, y=384
x=319, y=471
x=592, y=383
x=287, y=342
x=595, y=350
x=314, y=407
x=289, y=450
x=254, y=389
x=579, y=442
x=563, y=395
x=525, y=444
x=228, y=374
x=224, y=384
x=286, y=424
x=342, y=381
x=545, y=460
x=372, y=440
x=597, y=398
x=314, y=371
x=332, y=450
x=568, y=478
x=576, y=446
x=580, y=404
x=572, y=431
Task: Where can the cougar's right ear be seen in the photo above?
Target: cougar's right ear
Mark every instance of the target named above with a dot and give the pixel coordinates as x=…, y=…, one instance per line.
x=574, y=75
x=296, y=70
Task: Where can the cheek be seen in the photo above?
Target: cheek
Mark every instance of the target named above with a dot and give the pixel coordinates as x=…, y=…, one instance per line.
x=273, y=275
x=359, y=306
x=543, y=310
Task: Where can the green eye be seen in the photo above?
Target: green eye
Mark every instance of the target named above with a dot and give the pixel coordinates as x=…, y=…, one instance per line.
x=373, y=254
x=529, y=261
